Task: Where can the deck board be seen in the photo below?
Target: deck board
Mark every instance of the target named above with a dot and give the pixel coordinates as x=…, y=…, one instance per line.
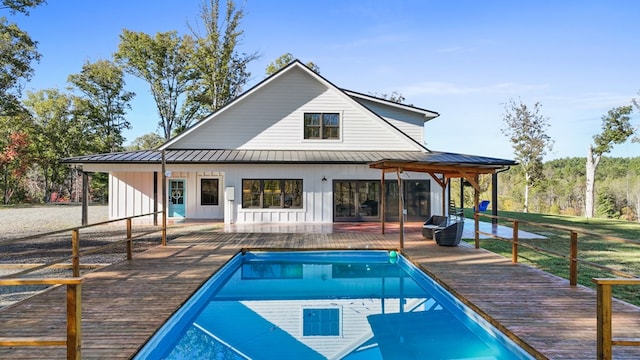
x=124, y=304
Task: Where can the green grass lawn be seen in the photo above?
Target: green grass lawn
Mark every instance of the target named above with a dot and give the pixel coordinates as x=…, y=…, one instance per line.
x=617, y=255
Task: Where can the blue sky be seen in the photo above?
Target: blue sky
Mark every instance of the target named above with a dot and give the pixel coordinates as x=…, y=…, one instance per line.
x=462, y=59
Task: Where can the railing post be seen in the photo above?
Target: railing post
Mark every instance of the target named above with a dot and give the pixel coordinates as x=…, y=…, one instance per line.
x=75, y=252
x=74, y=321
x=573, y=259
x=129, y=241
x=514, y=244
x=603, y=309
x=476, y=222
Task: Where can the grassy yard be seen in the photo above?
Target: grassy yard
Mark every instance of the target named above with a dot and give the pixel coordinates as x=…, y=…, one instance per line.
x=617, y=255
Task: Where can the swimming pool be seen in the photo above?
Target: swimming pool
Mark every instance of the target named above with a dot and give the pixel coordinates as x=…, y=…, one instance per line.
x=348, y=305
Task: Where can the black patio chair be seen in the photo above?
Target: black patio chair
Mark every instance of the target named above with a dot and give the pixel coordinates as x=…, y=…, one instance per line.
x=435, y=222
x=450, y=235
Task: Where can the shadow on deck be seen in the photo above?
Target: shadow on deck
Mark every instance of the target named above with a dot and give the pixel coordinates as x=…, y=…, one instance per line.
x=124, y=304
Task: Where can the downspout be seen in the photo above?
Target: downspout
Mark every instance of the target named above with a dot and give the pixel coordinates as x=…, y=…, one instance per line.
x=494, y=194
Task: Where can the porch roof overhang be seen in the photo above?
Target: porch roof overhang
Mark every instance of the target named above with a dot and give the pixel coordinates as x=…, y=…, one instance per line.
x=233, y=156
x=448, y=165
x=409, y=160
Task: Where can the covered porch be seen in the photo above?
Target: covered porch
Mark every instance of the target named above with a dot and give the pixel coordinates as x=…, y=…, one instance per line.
x=443, y=167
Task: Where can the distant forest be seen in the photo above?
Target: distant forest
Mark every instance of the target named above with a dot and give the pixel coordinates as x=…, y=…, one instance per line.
x=562, y=190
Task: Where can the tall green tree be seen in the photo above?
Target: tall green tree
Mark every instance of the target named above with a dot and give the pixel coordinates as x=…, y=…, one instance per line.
x=166, y=63
x=526, y=128
x=222, y=70
x=284, y=60
x=616, y=129
x=57, y=133
x=21, y=6
x=17, y=52
x=102, y=85
x=146, y=141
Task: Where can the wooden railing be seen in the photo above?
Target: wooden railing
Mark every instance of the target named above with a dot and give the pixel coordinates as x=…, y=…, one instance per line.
x=605, y=340
x=604, y=314
x=74, y=316
x=73, y=284
x=75, y=244
x=572, y=255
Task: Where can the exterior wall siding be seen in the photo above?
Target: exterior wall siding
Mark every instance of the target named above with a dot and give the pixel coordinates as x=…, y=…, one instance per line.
x=408, y=122
x=131, y=193
x=273, y=120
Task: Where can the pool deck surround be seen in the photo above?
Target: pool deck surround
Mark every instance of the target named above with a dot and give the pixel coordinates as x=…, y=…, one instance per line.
x=125, y=303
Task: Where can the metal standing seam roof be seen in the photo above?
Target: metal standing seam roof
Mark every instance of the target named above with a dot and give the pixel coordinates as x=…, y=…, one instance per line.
x=202, y=156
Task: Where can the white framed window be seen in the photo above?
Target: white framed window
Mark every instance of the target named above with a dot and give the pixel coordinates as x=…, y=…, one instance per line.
x=321, y=126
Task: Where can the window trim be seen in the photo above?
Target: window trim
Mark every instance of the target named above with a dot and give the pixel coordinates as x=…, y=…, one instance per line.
x=282, y=195
x=322, y=126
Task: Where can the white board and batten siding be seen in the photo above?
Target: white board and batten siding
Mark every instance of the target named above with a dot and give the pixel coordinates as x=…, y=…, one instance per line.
x=131, y=193
x=317, y=194
x=273, y=120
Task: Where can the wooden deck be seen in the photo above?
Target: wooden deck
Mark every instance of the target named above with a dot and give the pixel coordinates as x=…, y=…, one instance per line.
x=123, y=304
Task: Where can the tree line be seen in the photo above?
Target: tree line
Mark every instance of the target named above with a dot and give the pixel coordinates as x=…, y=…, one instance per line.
x=561, y=190
x=188, y=75
x=526, y=128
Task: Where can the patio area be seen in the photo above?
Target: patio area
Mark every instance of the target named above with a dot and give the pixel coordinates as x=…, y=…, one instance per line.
x=125, y=303
x=410, y=228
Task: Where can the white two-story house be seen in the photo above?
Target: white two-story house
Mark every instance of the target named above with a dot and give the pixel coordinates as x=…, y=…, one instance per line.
x=293, y=149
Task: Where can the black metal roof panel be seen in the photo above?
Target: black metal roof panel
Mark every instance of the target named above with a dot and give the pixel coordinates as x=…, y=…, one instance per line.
x=176, y=156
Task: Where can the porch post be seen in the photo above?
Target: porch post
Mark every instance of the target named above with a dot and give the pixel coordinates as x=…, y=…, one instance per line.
x=382, y=203
x=494, y=198
x=85, y=198
x=462, y=193
x=155, y=198
x=476, y=200
x=400, y=208
x=444, y=197
x=164, y=200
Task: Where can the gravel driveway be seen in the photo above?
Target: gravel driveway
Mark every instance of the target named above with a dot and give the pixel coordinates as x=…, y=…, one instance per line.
x=23, y=221
x=19, y=222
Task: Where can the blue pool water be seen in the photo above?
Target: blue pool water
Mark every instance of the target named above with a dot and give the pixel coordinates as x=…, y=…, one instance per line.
x=348, y=305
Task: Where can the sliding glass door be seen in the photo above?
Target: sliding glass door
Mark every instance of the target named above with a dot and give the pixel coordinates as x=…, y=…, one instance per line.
x=417, y=200
x=356, y=200
x=359, y=200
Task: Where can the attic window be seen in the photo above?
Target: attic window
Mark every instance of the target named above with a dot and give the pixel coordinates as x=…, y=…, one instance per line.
x=321, y=322
x=322, y=126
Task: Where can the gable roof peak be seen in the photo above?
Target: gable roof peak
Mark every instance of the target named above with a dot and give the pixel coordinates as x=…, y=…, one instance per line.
x=295, y=64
